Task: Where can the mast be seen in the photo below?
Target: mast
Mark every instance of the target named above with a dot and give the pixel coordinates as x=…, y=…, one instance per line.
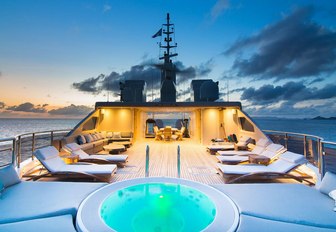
x=168, y=31
x=168, y=69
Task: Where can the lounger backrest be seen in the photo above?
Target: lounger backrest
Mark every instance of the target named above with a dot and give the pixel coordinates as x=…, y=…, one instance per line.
x=82, y=154
x=277, y=148
x=286, y=162
x=258, y=150
x=263, y=142
x=76, y=150
x=273, y=150
x=72, y=146
x=243, y=140
x=49, y=158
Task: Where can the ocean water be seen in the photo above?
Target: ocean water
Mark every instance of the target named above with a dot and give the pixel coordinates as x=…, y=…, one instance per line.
x=323, y=128
x=10, y=127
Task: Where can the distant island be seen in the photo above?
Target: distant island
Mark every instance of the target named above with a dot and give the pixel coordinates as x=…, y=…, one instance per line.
x=323, y=118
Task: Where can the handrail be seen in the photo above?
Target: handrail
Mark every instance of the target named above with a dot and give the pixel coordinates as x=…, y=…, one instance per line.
x=147, y=162
x=293, y=133
x=16, y=142
x=178, y=162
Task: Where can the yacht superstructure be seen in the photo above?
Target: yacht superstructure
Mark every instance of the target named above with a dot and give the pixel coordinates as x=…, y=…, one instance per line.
x=185, y=149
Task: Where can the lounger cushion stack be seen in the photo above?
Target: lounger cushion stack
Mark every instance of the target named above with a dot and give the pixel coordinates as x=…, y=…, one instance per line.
x=8, y=176
x=290, y=203
x=32, y=200
x=328, y=183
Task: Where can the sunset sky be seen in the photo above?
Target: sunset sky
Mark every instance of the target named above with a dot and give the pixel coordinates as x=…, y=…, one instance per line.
x=57, y=58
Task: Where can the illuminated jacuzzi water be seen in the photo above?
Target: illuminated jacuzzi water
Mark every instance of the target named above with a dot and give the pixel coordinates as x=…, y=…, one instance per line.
x=157, y=204
x=158, y=207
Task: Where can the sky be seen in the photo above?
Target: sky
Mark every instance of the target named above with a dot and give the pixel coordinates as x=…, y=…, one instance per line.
x=57, y=58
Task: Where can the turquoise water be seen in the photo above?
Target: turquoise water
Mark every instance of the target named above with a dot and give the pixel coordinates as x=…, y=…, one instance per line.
x=158, y=207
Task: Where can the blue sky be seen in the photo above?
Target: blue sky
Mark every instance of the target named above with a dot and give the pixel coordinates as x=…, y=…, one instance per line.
x=279, y=56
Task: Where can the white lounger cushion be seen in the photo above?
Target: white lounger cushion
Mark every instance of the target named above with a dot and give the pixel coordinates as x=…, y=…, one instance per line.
x=113, y=158
x=263, y=225
x=294, y=203
x=49, y=157
x=263, y=142
x=76, y=150
x=62, y=223
x=233, y=158
x=31, y=200
x=282, y=165
x=274, y=147
x=221, y=146
x=256, y=150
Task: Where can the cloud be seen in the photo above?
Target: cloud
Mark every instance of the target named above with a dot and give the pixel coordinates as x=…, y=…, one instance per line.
x=317, y=80
x=88, y=85
x=294, y=47
x=28, y=107
x=72, y=110
x=2, y=105
x=218, y=8
x=107, y=8
x=147, y=71
x=292, y=92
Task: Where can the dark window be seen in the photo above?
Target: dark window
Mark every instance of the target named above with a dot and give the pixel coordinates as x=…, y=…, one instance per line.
x=246, y=125
x=91, y=124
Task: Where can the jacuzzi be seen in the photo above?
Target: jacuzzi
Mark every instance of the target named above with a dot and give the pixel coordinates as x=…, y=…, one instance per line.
x=157, y=204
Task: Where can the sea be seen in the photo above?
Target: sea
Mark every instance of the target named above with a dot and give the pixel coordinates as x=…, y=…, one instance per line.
x=323, y=128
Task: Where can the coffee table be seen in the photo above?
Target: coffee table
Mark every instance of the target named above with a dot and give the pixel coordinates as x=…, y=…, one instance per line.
x=127, y=144
x=259, y=159
x=114, y=148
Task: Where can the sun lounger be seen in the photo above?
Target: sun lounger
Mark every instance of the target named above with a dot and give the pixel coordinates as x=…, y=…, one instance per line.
x=259, y=147
x=271, y=151
x=286, y=162
x=75, y=149
x=50, y=159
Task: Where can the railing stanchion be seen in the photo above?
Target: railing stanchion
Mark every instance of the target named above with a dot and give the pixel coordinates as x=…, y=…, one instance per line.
x=33, y=146
x=147, y=161
x=305, y=146
x=51, y=138
x=19, y=152
x=178, y=162
x=321, y=158
x=13, y=151
x=286, y=140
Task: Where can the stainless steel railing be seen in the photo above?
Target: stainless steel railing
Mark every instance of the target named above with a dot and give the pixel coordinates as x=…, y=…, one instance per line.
x=178, y=162
x=23, y=146
x=319, y=152
x=147, y=162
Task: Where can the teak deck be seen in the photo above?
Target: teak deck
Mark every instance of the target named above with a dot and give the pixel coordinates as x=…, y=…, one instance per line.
x=196, y=163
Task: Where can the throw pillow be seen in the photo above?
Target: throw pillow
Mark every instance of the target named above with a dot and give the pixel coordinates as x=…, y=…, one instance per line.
x=88, y=138
x=328, y=183
x=8, y=176
x=81, y=139
x=116, y=135
x=332, y=194
x=109, y=134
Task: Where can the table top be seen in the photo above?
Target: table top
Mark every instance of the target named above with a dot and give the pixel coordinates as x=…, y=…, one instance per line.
x=113, y=146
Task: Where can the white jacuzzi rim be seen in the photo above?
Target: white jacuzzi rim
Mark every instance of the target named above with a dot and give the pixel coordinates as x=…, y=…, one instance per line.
x=217, y=197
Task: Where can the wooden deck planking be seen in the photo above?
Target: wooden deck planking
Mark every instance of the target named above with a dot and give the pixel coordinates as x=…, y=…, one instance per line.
x=196, y=164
